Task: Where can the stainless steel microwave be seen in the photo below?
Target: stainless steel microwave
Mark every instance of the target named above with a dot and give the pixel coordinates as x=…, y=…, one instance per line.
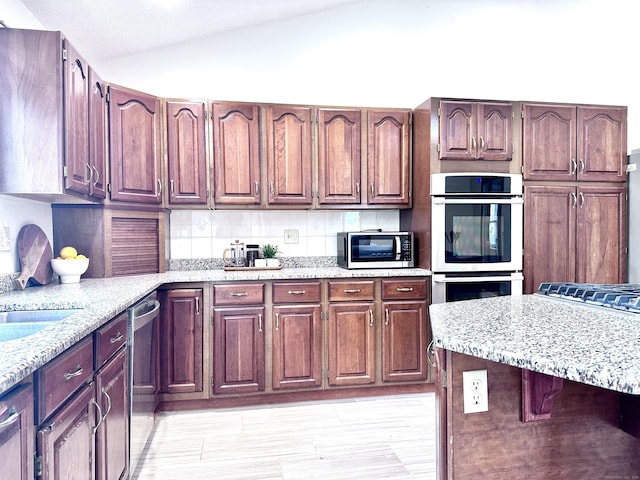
x=375, y=249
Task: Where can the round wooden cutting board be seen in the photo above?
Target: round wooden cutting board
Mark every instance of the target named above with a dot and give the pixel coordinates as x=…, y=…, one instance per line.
x=35, y=255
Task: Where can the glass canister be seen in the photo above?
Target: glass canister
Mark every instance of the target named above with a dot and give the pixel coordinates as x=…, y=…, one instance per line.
x=253, y=252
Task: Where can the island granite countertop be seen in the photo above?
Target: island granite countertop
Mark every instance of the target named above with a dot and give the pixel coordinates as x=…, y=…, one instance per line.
x=100, y=299
x=580, y=342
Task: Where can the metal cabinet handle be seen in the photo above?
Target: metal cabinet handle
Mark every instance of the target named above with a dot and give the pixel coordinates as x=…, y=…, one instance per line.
x=372, y=189
x=581, y=166
x=474, y=144
x=431, y=354
x=260, y=322
x=257, y=188
x=158, y=187
x=78, y=64
x=483, y=145
x=172, y=188
x=277, y=321
x=11, y=420
x=197, y=305
x=239, y=294
x=90, y=174
x=386, y=317
x=272, y=189
x=574, y=166
x=100, y=416
x=358, y=188
x=370, y=318
x=69, y=375
x=575, y=200
x=351, y=290
x=108, y=403
x=582, y=200
x=404, y=289
x=116, y=339
x=95, y=182
x=296, y=292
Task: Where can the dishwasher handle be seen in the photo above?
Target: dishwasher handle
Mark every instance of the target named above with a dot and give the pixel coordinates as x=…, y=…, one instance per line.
x=143, y=313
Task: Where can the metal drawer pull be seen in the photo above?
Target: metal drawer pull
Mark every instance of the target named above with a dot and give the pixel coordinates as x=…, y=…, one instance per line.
x=69, y=375
x=404, y=289
x=11, y=420
x=297, y=292
x=277, y=321
x=351, y=290
x=239, y=294
x=116, y=339
x=386, y=316
x=370, y=318
x=100, y=416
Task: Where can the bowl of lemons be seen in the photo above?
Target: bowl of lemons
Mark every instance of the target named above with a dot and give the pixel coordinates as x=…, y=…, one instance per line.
x=70, y=265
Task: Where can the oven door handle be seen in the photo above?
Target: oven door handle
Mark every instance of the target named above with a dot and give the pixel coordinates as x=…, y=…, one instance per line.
x=437, y=278
x=479, y=201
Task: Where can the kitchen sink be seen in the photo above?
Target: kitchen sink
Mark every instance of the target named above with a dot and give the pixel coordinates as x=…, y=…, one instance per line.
x=22, y=323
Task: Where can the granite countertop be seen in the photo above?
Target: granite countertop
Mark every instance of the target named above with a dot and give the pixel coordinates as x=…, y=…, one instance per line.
x=580, y=342
x=99, y=300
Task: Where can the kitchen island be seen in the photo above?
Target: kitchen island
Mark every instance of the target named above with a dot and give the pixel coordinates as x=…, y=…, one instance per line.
x=563, y=383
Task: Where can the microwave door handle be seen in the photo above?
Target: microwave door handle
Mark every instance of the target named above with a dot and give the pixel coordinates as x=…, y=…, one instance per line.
x=398, y=247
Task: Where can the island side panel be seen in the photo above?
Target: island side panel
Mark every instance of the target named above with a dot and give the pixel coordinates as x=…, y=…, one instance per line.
x=581, y=440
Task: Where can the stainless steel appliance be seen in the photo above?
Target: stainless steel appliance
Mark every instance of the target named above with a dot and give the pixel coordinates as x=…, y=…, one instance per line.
x=375, y=249
x=454, y=287
x=476, y=222
x=143, y=375
x=622, y=297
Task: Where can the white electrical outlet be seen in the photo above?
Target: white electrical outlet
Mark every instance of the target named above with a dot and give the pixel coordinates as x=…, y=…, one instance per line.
x=291, y=236
x=474, y=391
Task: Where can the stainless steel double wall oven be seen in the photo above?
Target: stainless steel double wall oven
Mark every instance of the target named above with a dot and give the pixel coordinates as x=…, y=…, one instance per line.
x=476, y=231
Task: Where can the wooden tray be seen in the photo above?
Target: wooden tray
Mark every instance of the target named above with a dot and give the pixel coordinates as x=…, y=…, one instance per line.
x=232, y=269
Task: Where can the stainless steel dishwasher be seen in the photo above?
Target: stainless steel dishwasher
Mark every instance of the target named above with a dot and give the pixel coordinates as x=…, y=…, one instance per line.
x=143, y=375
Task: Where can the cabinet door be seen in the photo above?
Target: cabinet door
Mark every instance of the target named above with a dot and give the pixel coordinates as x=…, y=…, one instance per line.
x=134, y=141
x=549, y=235
x=97, y=136
x=78, y=172
x=602, y=144
x=404, y=341
x=549, y=142
x=236, y=158
x=112, y=434
x=494, y=131
x=457, y=130
x=16, y=434
x=352, y=334
x=289, y=155
x=186, y=153
x=238, y=350
x=602, y=235
x=339, y=156
x=297, y=346
x=181, y=347
x=65, y=443
x=388, y=160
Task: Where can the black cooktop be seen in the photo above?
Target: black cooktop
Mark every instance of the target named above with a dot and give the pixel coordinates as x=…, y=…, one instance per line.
x=623, y=296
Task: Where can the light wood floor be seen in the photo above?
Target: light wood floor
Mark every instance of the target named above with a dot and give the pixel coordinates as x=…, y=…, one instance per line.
x=390, y=437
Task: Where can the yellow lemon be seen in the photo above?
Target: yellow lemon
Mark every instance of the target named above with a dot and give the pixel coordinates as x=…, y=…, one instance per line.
x=68, y=252
x=80, y=257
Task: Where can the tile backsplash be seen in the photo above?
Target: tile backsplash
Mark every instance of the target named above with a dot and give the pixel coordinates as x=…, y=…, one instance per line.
x=206, y=233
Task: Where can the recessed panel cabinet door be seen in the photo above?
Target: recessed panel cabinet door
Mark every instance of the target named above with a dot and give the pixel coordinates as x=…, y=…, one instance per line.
x=16, y=434
x=404, y=340
x=457, y=130
x=289, y=155
x=494, y=131
x=339, y=156
x=388, y=166
x=134, y=139
x=236, y=154
x=186, y=153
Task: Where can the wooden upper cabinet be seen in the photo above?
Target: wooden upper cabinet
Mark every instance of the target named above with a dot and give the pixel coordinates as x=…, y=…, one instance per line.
x=134, y=140
x=568, y=142
x=78, y=172
x=236, y=157
x=288, y=131
x=186, y=153
x=339, y=156
x=388, y=157
x=475, y=130
x=97, y=135
x=602, y=144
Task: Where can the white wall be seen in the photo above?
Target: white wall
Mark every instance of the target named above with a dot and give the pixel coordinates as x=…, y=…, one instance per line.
x=387, y=54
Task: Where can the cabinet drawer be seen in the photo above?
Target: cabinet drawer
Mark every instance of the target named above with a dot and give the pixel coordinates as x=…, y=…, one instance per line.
x=352, y=290
x=109, y=338
x=296, y=292
x=404, y=289
x=62, y=376
x=238, y=294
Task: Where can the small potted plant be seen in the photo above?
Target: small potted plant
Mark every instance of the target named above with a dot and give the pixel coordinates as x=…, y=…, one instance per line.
x=269, y=252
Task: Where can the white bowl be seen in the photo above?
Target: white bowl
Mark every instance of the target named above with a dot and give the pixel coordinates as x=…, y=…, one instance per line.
x=69, y=270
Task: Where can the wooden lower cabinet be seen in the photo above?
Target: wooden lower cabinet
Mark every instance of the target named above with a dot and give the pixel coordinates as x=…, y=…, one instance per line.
x=16, y=434
x=238, y=350
x=181, y=336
